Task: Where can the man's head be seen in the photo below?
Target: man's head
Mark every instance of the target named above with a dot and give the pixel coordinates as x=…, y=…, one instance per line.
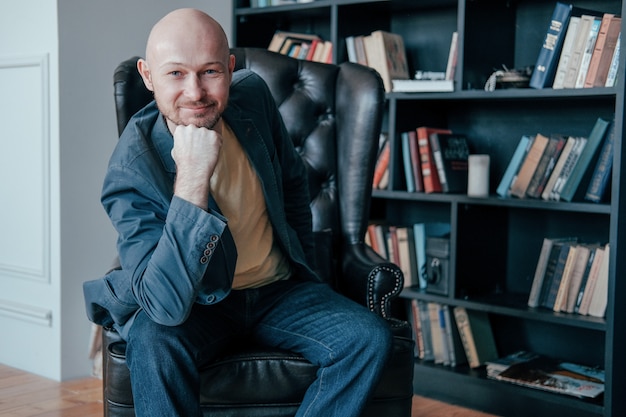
x=188, y=67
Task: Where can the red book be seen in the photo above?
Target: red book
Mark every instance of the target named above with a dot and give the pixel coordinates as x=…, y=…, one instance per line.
x=430, y=176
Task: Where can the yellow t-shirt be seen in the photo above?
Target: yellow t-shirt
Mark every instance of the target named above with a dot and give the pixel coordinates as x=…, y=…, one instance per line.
x=237, y=191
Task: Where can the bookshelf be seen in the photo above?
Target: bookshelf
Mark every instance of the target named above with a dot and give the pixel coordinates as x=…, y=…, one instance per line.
x=495, y=242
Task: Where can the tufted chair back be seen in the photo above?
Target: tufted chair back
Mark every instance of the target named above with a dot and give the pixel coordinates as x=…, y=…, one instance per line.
x=333, y=113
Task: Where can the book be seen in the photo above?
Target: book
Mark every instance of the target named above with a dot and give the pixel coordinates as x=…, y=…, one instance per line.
x=583, y=282
x=421, y=86
x=558, y=167
x=437, y=333
x=552, y=282
x=453, y=53
x=359, y=48
x=547, y=61
x=568, y=167
x=542, y=266
x=551, y=269
x=514, y=163
x=548, y=374
x=545, y=166
x=407, y=162
x=612, y=75
x=560, y=301
x=603, y=51
x=580, y=267
x=601, y=176
x=416, y=165
x=424, y=317
x=382, y=164
x=497, y=366
x=451, y=152
x=476, y=335
x=386, y=54
x=587, y=155
x=566, y=51
x=578, y=49
x=416, y=325
x=407, y=255
x=430, y=175
x=528, y=167
x=453, y=338
x=582, y=307
x=599, y=297
x=587, y=53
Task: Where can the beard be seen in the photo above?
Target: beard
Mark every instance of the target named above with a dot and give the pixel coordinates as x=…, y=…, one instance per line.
x=207, y=117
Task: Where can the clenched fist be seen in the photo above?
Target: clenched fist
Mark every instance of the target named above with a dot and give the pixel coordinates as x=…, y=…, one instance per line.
x=196, y=152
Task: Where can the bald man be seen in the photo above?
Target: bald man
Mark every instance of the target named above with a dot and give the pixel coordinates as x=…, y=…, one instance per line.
x=210, y=201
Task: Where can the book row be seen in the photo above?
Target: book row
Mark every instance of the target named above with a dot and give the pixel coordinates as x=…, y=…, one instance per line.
x=434, y=160
x=411, y=248
x=581, y=49
x=304, y=46
x=451, y=336
x=561, y=167
x=454, y=336
x=571, y=277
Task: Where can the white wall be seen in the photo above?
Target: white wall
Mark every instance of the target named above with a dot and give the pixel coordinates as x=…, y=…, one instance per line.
x=58, y=235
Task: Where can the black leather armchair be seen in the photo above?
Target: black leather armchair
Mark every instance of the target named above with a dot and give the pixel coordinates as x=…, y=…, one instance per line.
x=333, y=114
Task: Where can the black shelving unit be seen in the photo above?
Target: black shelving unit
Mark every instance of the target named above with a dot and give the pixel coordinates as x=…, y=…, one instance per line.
x=495, y=242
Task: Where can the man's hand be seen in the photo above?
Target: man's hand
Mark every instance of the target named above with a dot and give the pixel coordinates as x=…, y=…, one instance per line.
x=196, y=151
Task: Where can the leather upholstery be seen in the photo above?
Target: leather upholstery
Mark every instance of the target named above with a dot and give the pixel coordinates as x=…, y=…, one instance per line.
x=333, y=114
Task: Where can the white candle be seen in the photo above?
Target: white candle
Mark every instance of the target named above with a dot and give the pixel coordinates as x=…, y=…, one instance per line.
x=478, y=176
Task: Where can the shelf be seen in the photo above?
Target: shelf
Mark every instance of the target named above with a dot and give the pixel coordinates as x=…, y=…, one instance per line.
x=494, y=201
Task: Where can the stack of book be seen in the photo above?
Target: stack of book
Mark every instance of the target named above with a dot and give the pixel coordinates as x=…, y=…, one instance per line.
x=561, y=167
x=548, y=374
x=571, y=277
x=385, y=52
x=305, y=46
x=581, y=49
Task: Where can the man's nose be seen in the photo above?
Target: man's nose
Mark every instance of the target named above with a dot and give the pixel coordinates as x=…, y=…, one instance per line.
x=194, y=88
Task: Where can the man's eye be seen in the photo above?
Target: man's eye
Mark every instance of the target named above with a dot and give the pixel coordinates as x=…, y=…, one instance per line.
x=175, y=73
x=210, y=72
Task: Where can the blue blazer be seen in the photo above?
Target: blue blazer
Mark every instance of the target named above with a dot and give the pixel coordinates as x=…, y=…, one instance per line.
x=173, y=254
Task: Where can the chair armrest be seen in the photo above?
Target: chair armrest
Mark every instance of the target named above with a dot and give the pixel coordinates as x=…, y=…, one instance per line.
x=369, y=279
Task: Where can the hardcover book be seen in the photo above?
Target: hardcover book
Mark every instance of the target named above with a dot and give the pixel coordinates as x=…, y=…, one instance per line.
x=546, y=165
x=430, y=175
x=578, y=50
x=601, y=176
x=542, y=267
x=514, y=164
x=476, y=335
x=566, y=52
x=451, y=152
x=603, y=51
x=528, y=167
x=545, y=67
x=587, y=155
x=386, y=54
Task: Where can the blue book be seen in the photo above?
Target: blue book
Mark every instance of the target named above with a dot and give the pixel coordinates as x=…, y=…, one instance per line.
x=550, y=52
x=420, y=232
x=408, y=164
x=514, y=164
x=593, y=144
x=602, y=172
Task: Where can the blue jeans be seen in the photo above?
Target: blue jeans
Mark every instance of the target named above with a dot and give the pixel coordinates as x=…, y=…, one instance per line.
x=350, y=345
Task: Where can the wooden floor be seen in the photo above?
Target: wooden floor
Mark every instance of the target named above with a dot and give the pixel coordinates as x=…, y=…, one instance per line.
x=26, y=395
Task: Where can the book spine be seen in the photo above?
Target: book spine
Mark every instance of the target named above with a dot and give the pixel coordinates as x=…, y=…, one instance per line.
x=587, y=54
x=602, y=171
x=435, y=147
x=545, y=67
x=467, y=339
x=429, y=171
x=593, y=143
x=612, y=74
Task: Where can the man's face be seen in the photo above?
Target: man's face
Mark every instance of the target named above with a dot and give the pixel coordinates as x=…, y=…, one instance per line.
x=190, y=81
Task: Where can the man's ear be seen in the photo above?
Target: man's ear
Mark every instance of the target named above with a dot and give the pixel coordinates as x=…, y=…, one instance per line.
x=144, y=71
